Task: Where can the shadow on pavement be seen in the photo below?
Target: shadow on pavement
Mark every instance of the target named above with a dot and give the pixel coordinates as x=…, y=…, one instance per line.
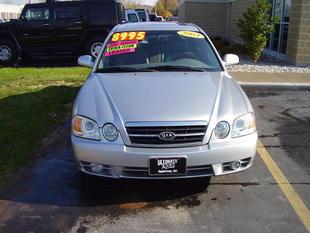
x=55, y=180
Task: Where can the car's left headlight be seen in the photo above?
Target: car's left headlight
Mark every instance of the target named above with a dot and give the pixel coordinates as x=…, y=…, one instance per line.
x=85, y=128
x=244, y=125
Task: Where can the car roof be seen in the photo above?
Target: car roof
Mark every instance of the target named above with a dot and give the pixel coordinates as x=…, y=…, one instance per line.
x=156, y=26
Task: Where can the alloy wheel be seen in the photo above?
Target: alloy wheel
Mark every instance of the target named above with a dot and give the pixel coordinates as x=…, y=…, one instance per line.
x=5, y=53
x=95, y=49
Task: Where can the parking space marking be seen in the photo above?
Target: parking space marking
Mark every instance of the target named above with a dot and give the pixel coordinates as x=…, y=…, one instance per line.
x=297, y=203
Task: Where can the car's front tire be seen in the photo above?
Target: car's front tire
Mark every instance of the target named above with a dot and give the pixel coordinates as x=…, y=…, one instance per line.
x=8, y=53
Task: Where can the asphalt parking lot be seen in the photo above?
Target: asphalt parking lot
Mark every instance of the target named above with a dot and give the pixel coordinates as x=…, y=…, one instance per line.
x=54, y=197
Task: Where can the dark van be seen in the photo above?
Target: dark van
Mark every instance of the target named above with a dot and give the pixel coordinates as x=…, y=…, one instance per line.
x=59, y=29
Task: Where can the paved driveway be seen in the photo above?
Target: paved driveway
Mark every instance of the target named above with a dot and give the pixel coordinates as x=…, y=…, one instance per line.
x=54, y=197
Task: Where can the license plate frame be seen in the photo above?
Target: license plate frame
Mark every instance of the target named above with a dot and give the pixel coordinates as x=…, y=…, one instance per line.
x=167, y=166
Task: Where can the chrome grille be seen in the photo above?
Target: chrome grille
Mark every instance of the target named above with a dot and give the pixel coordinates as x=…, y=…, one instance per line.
x=148, y=136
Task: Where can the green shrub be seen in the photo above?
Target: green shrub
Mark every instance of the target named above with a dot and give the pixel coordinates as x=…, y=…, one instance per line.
x=255, y=24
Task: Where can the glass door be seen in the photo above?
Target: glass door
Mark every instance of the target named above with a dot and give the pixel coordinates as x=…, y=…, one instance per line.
x=278, y=39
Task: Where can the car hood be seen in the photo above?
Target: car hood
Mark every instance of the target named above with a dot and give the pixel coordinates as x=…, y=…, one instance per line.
x=160, y=96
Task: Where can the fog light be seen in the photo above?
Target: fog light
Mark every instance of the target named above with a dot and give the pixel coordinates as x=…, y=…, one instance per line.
x=96, y=168
x=235, y=165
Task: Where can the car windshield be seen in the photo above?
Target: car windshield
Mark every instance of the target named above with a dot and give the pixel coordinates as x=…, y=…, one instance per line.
x=158, y=51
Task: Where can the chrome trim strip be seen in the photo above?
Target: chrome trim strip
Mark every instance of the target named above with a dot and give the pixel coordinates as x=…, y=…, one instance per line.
x=157, y=135
x=144, y=135
x=164, y=123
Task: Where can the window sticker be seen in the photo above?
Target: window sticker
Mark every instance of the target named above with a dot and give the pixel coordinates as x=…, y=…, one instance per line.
x=191, y=34
x=123, y=36
x=121, y=47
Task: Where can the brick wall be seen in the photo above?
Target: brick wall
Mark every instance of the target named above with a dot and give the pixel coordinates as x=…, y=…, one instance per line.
x=220, y=18
x=211, y=17
x=217, y=19
x=298, y=44
x=10, y=11
x=181, y=12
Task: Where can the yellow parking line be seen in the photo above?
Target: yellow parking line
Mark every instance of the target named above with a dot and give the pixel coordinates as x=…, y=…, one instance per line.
x=297, y=203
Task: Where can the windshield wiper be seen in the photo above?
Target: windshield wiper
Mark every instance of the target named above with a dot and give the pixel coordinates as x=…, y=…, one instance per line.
x=176, y=68
x=117, y=69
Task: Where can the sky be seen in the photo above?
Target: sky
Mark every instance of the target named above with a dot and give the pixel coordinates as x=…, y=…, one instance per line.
x=146, y=2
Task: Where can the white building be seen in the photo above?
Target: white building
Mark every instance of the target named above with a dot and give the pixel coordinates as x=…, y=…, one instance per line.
x=8, y=11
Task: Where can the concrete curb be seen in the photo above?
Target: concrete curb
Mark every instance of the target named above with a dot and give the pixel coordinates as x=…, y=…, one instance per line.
x=275, y=86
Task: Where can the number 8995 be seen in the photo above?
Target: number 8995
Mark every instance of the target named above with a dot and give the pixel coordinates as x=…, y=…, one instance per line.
x=128, y=36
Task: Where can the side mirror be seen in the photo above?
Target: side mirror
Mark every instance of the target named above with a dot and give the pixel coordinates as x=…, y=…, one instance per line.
x=231, y=59
x=86, y=60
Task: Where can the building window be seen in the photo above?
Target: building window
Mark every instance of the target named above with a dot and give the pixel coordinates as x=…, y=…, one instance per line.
x=278, y=39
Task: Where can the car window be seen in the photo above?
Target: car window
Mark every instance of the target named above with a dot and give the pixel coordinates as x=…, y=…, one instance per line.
x=152, y=17
x=142, y=16
x=36, y=14
x=67, y=12
x=102, y=10
x=132, y=17
x=159, y=48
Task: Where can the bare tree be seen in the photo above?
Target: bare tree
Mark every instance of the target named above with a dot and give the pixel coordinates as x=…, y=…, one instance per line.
x=166, y=8
x=131, y=4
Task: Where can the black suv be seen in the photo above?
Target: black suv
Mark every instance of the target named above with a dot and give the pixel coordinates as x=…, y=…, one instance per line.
x=59, y=29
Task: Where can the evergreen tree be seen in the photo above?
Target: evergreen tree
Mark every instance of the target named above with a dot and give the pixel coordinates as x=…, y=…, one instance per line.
x=256, y=23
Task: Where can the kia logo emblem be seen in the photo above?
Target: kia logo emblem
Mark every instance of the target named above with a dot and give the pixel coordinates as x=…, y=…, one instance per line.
x=166, y=136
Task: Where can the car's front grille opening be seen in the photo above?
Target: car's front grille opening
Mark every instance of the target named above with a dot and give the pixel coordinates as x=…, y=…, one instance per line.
x=141, y=172
x=135, y=172
x=192, y=171
x=149, y=136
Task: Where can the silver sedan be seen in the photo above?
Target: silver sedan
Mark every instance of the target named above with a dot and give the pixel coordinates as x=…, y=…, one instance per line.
x=160, y=104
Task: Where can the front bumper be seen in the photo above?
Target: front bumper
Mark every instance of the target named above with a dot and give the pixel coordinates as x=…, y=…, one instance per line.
x=120, y=161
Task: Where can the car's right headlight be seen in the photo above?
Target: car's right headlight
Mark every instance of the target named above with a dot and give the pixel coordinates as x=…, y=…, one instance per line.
x=221, y=130
x=244, y=125
x=85, y=128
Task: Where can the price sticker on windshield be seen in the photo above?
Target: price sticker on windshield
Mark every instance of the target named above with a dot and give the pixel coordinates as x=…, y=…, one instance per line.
x=191, y=34
x=121, y=47
x=122, y=36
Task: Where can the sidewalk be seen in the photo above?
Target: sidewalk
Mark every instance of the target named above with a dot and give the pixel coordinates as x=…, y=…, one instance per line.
x=272, y=79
